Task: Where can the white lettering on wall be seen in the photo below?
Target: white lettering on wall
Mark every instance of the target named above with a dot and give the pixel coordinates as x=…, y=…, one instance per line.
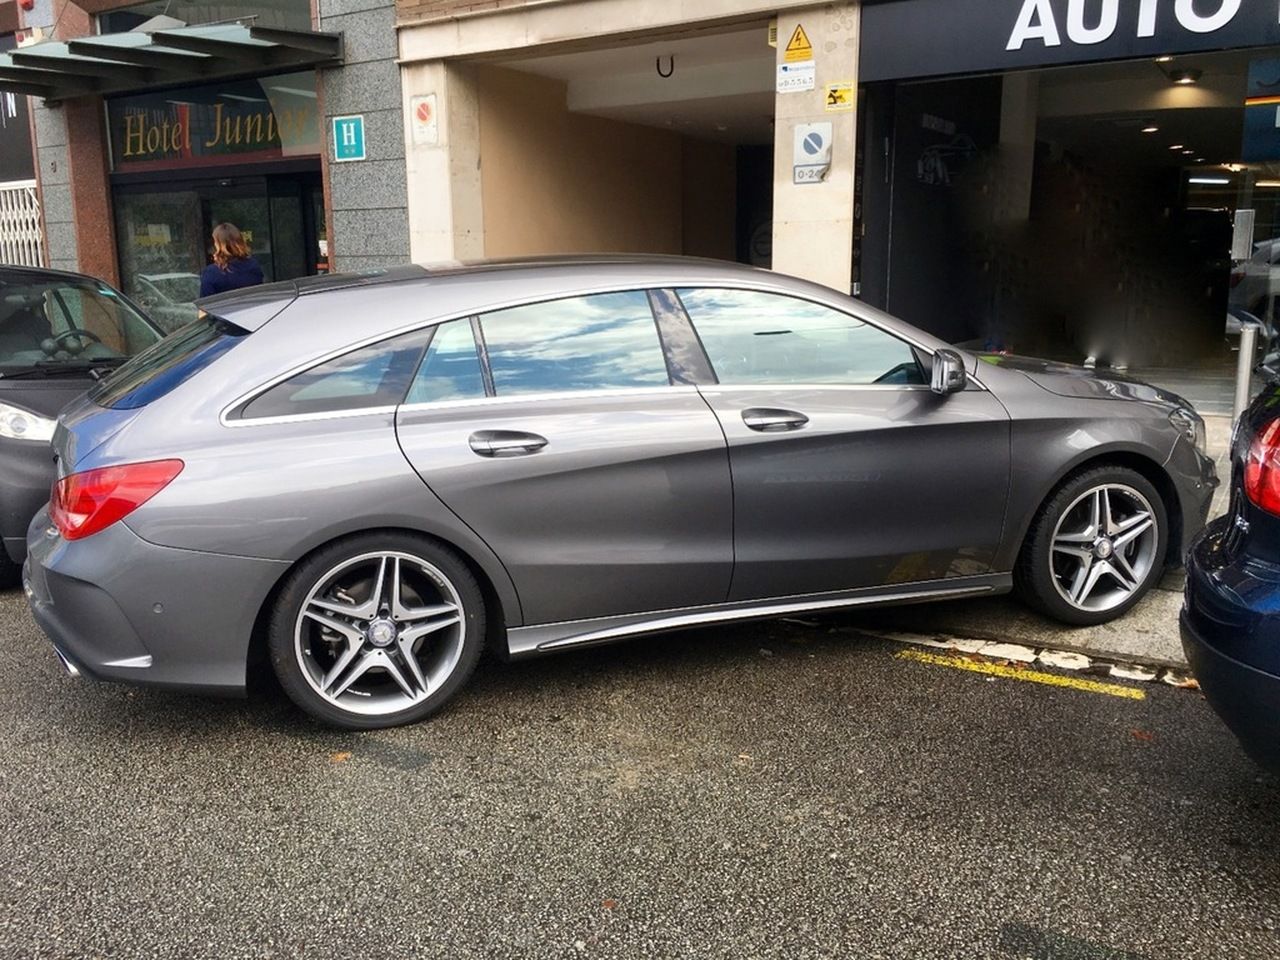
x=1147, y=18
x=1187, y=16
x=1035, y=22
x=1108, y=17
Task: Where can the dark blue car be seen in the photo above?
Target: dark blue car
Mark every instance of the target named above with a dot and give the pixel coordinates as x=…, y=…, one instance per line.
x=1231, y=617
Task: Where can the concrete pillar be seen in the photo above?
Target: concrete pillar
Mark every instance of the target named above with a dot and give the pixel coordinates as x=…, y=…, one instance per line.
x=446, y=212
x=813, y=222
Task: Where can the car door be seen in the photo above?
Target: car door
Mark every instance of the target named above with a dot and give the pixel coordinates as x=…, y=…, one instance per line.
x=555, y=432
x=848, y=471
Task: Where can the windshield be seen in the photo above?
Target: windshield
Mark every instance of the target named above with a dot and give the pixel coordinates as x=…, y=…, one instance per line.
x=67, y=322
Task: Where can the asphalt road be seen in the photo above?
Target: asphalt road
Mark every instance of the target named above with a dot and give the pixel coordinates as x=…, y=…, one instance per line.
x=773, y=790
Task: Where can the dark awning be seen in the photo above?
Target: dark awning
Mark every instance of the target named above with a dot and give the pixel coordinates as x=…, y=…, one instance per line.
x=128, y=62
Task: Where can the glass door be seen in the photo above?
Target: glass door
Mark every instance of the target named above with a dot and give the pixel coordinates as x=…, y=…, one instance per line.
x=163, y=234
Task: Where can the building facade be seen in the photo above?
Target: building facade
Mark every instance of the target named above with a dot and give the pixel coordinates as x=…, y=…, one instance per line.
x=1082, y=178
x=150, y=129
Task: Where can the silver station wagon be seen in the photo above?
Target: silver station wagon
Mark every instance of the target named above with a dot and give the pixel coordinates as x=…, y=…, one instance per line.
x=364, y=480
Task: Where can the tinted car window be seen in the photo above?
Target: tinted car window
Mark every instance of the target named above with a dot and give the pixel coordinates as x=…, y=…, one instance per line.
x=374, y=376
x=451, y=368
x=175, y=359
x=754, y=337
x=580, y=343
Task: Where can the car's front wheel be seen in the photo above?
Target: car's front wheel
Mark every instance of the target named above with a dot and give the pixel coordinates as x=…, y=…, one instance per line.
x=377, y=630
x=1095, y=548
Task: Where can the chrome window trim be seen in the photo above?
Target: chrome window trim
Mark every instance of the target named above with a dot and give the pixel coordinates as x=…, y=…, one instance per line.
x=679, y=388
x=842, y=387
x=345, y=414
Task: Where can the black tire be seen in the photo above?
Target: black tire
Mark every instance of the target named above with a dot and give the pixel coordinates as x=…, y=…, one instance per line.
x=1034, y=578
x=284, y=655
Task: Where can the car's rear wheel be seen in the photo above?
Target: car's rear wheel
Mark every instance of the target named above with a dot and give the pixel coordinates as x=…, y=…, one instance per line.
x=377, y=630
x=1095, y=548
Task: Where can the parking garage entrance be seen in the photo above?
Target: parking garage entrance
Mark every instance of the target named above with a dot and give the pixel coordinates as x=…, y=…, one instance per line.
x=659, y=145
x=1124, y=212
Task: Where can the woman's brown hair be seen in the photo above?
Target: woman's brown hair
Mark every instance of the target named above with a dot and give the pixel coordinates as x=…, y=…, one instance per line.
x=228, y=244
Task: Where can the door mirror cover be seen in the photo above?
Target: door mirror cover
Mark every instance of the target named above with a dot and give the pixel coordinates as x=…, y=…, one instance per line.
x=949, y=375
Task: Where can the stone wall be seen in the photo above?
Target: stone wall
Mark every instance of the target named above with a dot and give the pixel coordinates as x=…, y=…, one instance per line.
x=369, y=221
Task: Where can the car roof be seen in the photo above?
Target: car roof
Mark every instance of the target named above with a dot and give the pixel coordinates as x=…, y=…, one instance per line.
x=250, y=307
x=18, y=273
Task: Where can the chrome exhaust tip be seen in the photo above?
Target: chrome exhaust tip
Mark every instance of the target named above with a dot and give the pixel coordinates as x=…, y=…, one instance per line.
x=71, y=669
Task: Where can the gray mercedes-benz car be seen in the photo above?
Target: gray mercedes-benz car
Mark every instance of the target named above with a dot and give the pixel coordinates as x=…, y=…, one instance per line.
x=365, y=479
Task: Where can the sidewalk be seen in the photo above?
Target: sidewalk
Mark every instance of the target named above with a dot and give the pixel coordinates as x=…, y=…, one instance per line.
x=1148, y=634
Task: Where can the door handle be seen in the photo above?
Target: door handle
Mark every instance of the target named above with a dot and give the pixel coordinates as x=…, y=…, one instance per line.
x=505, y=443
x=768, y=420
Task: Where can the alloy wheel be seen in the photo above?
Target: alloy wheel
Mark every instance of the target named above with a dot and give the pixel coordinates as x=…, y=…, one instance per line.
x=1104, y=547
x=379, y=633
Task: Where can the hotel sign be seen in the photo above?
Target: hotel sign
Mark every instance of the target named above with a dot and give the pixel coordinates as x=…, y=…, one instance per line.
x=235, y=122
x=927, y=38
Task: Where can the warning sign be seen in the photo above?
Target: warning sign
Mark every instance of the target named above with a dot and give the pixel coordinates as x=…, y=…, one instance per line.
x=798, y=47
x=839, y=97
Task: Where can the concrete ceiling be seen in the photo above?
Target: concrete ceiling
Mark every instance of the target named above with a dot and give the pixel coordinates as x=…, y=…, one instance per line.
x=720, y=85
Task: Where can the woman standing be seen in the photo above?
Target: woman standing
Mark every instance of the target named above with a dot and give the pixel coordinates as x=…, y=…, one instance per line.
x=233, y=266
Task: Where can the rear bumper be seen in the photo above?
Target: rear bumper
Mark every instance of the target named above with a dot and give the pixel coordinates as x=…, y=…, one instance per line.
x=117, y=607
x=1230, y=625
x=26, y=474
x=1247, y=699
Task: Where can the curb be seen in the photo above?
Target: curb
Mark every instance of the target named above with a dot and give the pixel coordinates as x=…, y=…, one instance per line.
x=1045, y=656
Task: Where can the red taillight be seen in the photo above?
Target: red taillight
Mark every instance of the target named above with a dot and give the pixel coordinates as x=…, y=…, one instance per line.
x=1236, y=277
x=85, y=503
x=1262, y=469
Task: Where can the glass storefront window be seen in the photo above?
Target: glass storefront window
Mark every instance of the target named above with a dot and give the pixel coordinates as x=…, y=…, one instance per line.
x=1124, y=213
x=240, y=121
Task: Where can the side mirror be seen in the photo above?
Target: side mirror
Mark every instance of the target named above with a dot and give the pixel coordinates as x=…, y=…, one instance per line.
x=948, y=373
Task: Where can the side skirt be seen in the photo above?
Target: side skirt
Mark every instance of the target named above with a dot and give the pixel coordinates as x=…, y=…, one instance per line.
x=550, y=637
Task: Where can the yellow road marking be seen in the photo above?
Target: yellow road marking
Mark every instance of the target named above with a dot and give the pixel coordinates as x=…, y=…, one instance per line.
x=1018, y=673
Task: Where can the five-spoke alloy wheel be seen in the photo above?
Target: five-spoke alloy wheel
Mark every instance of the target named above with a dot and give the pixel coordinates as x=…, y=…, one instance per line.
x=1095, y=548
x=377, y=630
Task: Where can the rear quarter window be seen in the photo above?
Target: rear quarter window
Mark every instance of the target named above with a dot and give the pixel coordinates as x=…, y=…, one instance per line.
x=161, y=368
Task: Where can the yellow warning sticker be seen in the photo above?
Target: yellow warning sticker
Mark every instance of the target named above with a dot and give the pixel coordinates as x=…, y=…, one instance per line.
x=798, y=47
x=839, y=97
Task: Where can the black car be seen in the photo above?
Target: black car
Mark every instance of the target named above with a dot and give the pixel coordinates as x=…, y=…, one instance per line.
x=1231, y=614
x=59, y=333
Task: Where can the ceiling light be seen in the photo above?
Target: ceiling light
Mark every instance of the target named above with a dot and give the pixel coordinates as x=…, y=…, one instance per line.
x=1177, y=146
x=1150, y=128
x=1187, y=153
x=1167, y=58
x=1210, y=181
x=1268, y=184
x=1185, y=77
x=1200, y=160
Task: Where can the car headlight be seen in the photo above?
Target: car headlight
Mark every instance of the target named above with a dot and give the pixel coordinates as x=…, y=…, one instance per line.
x=1191, y=425
x=19, y=424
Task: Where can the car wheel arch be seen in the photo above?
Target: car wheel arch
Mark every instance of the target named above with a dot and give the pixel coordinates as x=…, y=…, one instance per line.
x=1119, y=456
x=497, y=614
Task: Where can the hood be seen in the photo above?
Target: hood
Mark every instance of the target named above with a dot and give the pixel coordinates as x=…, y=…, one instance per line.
x=43, y=396
x=1070, y=380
